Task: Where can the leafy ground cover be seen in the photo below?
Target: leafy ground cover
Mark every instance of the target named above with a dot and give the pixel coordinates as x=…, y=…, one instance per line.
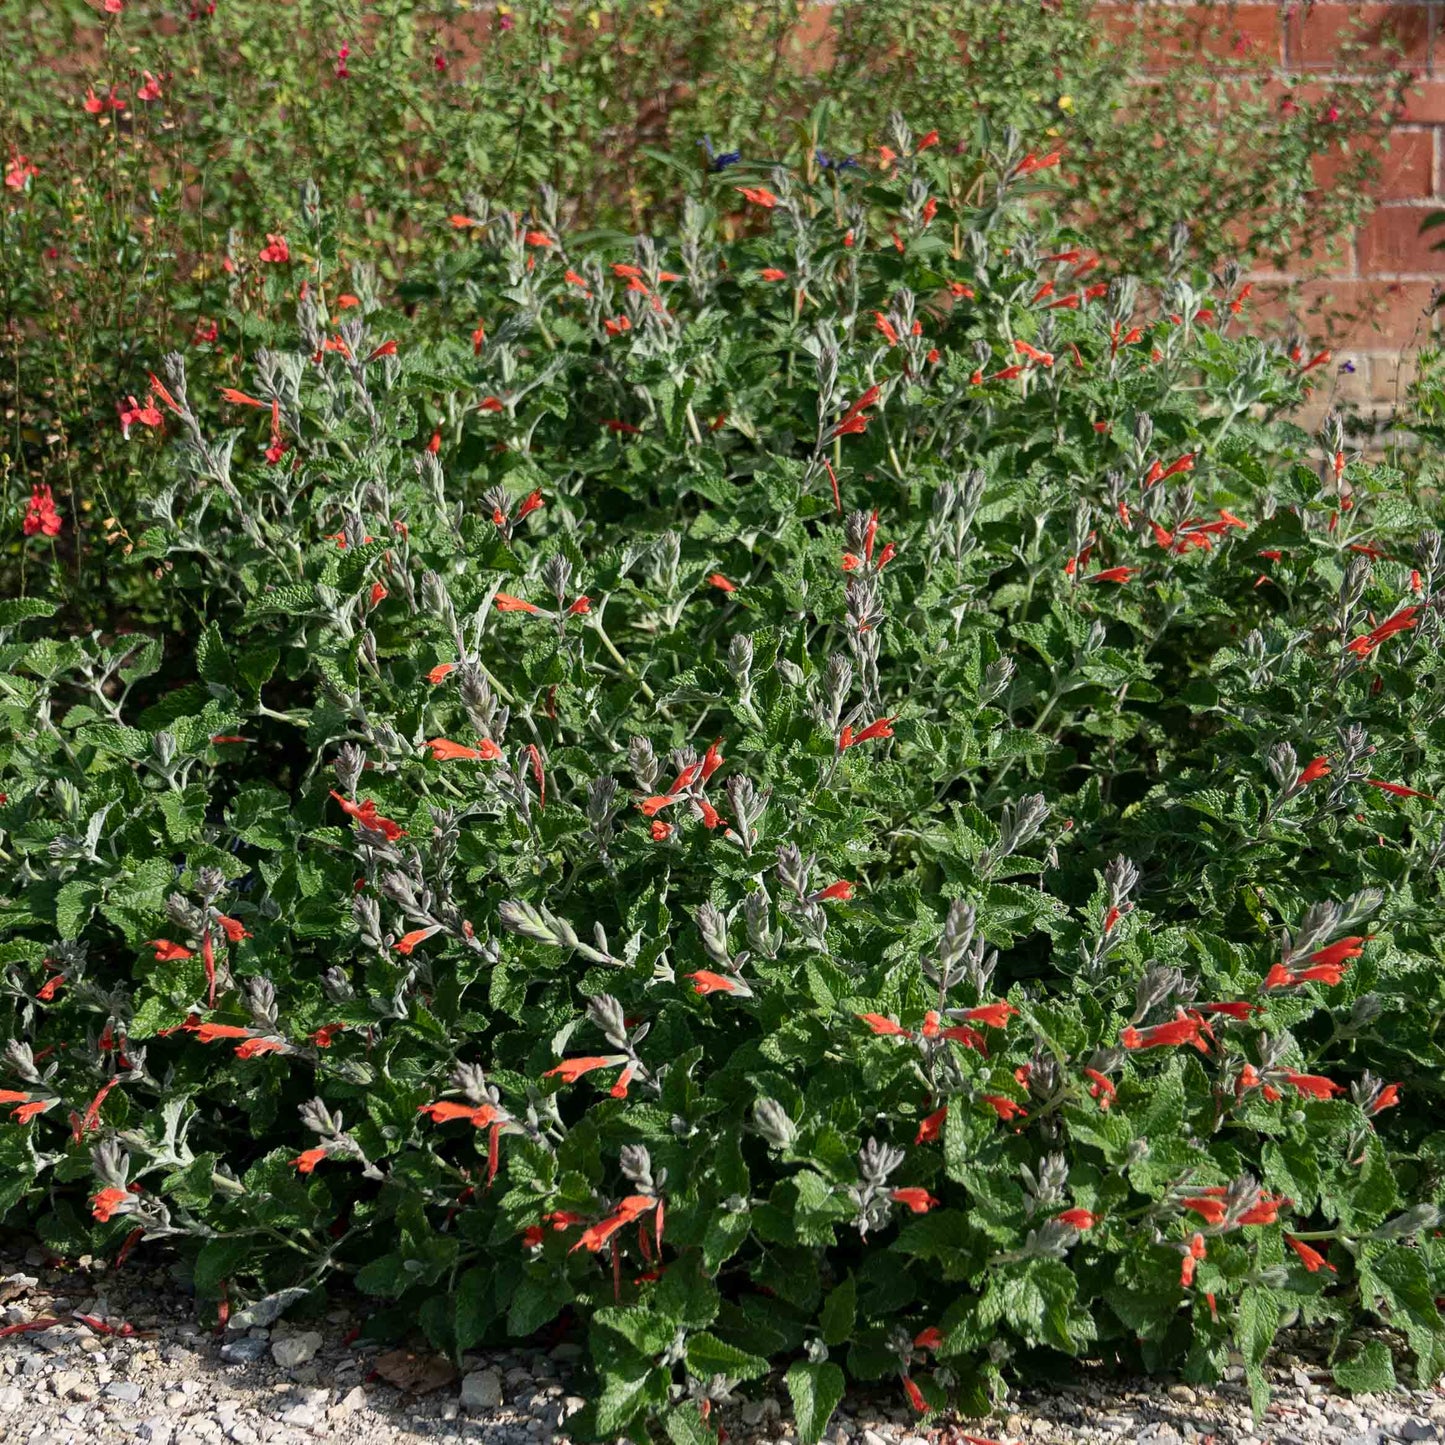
x=842, y=793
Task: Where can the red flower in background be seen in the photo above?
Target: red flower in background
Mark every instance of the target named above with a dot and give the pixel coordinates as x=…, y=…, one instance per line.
x=41, y=517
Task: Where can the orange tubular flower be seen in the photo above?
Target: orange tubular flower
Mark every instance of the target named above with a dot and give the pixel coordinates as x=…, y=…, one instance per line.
x=105, y=1204
x=1402, y=621
x=235, y=930
x=446, y=1111
x=920, y=1201
x=306, y=1161
x=706, y=982
x=409, y=941
x=1398, y=789
x=1113, y=574
x=1042, y=358
x=1312, y=1259
x=1170, y=1035
x=1240, y=1009
x=1194, y=1254
x=1313, y=1086
x=1101, y=1087
x=631, y=1208
x=570, y=1070
x=932, y=1127
x=1337, y=952
x=239, y=398
x=994, y=1015
x=168, y=952
x=841, y=891
x=1209, y=1209
x=929, y=1339
x=721, y=583
x=772, y=273
x=884, y=1027
x=505, y=602
x=443, y=750
x=441, y=672
x=915, y=1396
x=1005, y=1108
x=254, y=1048
x=1312, y=772
x=882, y=728
x=1081, y=1219
x=758, y=196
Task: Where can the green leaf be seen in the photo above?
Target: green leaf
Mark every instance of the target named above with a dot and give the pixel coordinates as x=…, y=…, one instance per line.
x=815, y=1391
x=840, y=1309
x=1370, y=1371
x=707, y=1355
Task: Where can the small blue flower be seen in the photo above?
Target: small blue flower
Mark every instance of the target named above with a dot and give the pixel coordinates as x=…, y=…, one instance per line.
x=1347, y=368
x=827, y=163
x=719, y=161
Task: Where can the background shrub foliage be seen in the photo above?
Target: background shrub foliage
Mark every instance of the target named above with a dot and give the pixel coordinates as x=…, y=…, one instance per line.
x=153, y=148
x=842, y=793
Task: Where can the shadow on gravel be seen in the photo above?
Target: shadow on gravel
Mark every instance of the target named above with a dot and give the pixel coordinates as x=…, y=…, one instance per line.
x=90, y=1356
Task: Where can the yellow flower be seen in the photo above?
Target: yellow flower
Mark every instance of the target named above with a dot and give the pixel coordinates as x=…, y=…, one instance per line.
x=1066, y=103
x=594, y=19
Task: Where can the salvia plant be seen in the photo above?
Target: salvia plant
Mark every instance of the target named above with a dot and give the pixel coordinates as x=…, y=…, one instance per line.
x=835, y=790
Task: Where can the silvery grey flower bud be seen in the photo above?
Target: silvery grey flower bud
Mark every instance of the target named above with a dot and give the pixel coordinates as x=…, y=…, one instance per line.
x=319, y=1119
x=740, y=657
x=1352, y=587
x=536, y=923
x=1283, y=763
x=758, y=916
x=636, y=1164
x=773, y=1124
x=607, y=1017
x=714, y=930
x=644, y=765
x=1020, y=822
x=556, y=577
x=349, y=765
x=335, y=982
x=470, y=1081
x=261, y=1001
x=996, y=678
x=790, y=672
x=20, y=1059
x=1417, y=1218
x=793, y=871
x=877, y=1161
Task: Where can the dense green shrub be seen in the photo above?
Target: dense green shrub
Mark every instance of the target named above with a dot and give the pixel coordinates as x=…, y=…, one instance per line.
x=138, y=230
x=834, y=799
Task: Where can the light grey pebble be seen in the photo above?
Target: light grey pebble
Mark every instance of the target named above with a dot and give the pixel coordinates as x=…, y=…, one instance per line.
x=482, y=1390
x=157, y=1430
x=289, y=1351
x=126, y=1391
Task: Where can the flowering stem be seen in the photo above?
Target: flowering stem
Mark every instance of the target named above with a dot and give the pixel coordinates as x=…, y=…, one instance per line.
x=616, y=656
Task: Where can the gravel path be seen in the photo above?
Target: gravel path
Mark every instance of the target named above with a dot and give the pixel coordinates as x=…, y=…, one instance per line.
x=158, y=1378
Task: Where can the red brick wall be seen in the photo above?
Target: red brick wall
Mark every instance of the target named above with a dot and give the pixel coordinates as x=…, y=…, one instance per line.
x=1387, y=273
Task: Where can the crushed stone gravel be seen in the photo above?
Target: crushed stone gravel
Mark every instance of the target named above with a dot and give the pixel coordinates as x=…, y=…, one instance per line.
x=159, y=1378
